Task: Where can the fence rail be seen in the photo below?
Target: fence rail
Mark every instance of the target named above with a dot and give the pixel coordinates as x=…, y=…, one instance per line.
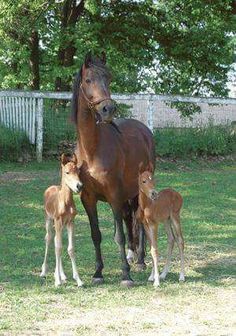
x=25, y=110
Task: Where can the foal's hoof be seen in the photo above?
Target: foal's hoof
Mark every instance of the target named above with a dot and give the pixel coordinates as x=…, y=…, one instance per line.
x=97, y=281
x=141, y=267
x=127, y=283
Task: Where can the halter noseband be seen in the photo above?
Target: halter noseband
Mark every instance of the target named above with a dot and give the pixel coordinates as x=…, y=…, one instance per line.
x=92, y=104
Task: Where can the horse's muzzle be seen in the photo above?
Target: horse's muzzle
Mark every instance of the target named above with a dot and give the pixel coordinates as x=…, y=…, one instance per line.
x=106, y=110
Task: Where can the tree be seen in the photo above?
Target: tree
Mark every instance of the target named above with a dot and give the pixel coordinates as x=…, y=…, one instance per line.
x=170, y=46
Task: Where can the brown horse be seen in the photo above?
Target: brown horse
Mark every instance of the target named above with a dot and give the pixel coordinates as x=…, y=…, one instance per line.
x=111, y=152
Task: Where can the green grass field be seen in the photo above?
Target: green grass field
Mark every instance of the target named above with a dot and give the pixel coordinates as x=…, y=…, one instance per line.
x=203, y=305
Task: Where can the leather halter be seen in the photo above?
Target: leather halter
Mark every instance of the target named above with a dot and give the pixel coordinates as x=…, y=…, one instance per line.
x=92, y=104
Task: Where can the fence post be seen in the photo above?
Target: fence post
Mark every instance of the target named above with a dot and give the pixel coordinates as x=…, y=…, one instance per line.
x=150, y=113
x=39, y=130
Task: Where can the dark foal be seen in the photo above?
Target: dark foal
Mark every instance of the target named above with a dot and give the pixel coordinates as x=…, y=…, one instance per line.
x=111, y=151
x=155, y=208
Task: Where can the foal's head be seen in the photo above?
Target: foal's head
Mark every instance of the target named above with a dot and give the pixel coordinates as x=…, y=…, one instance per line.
x=146, y=183
x=70, y=172
x=93, y=84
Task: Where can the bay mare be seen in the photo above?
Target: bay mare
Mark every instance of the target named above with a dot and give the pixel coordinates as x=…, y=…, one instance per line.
x=111, y=151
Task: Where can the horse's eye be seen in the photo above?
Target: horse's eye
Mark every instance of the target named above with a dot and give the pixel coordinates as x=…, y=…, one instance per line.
x=88, y=81
x=67, y=173
x=144, y=181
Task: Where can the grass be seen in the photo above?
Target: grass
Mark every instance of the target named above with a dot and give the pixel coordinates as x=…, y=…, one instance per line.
x=203, y=305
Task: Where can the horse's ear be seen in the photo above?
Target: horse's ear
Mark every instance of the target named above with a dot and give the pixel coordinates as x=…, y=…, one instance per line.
x=103, y=57
x=151, y=167
x=74, y=159
x=141, y=168
x=64, y=159
x=88, y=59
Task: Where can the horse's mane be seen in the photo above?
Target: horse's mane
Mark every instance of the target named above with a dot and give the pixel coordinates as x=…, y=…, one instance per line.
x=98, y=66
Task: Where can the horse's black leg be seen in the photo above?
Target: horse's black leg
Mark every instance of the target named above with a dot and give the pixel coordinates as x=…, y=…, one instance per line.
x=90, y=205
x=128, y=219
x=120, y=240
x=141, y=249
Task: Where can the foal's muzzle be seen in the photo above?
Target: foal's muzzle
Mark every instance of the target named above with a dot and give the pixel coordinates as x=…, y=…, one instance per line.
x=79, y=187
x=153, y=194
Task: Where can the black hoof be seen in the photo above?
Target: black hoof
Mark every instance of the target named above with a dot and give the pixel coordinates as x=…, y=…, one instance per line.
x=127, y=283
x=141, y=267
x=97, y=281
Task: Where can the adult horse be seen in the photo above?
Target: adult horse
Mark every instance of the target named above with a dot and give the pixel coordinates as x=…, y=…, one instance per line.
x=111, y=152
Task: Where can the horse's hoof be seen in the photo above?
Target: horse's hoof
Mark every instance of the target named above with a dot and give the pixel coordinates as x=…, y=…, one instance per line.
x=181, y=278
x=127, y=283
x=80, y=284
x=97, y=281
x=141, y=267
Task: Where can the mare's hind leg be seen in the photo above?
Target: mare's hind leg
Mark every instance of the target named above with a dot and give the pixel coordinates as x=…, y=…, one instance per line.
x=127, y=216
x=48, y=238
x=90, y=203
x=171, y=241
x=120, y=240
x=136, y=240
x=141, y=249
x=71, y=252
x=180, y=242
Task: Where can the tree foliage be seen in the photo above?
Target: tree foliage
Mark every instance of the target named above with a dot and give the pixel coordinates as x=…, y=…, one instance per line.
x=172, y=46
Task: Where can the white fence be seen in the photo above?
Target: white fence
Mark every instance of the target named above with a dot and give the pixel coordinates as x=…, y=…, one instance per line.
x=25, y=111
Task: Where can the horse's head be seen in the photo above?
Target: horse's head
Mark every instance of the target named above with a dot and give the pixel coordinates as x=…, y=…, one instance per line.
x=146, y=181
x=70, y=172
x=94, y=87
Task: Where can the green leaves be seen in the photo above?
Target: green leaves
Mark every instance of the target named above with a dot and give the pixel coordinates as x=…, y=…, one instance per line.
x=163, y=46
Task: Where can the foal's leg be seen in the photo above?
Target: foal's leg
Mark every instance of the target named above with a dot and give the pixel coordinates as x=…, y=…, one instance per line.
x=152, y=231
x=58, y=248
x=171, y=241
x=120, y=240
x=71, y=252
x=90, y=203
x=48, y=239
x=180, y=241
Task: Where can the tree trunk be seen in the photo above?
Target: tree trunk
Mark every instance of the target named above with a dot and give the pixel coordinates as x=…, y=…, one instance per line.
x=69, y=17
x=34, y=60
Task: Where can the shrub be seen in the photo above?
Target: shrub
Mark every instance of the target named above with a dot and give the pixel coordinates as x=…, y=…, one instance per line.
x=14, y=144
x=200, y=141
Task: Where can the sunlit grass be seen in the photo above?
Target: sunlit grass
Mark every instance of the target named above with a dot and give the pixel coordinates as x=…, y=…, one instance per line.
x=202, y=305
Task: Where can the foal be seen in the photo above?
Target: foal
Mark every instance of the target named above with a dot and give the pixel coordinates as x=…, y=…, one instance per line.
x=156, y=207
x=60, y=209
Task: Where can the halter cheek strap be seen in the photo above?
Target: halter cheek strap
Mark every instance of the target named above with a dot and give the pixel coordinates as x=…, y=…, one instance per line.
x=92, y=104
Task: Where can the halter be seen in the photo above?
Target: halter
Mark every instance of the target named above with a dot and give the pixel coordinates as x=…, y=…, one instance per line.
x=92, y=104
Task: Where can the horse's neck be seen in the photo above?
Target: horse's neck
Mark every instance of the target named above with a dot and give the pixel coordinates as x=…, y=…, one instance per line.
x=65, y=193
x=87, y=130
x=143, y=200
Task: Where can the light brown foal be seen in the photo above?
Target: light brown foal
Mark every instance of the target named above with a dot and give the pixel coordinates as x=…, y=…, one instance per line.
x=60, y=209
x=156, y=207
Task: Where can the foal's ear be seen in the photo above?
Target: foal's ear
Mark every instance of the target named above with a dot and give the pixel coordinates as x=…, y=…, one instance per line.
x=141, y=168
x=88, y=59
x=64, y=159
x=151, y=167
x=74, y=159
x=103, y=57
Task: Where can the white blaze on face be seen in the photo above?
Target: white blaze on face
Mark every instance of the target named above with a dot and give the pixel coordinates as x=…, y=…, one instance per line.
x=72, y=179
